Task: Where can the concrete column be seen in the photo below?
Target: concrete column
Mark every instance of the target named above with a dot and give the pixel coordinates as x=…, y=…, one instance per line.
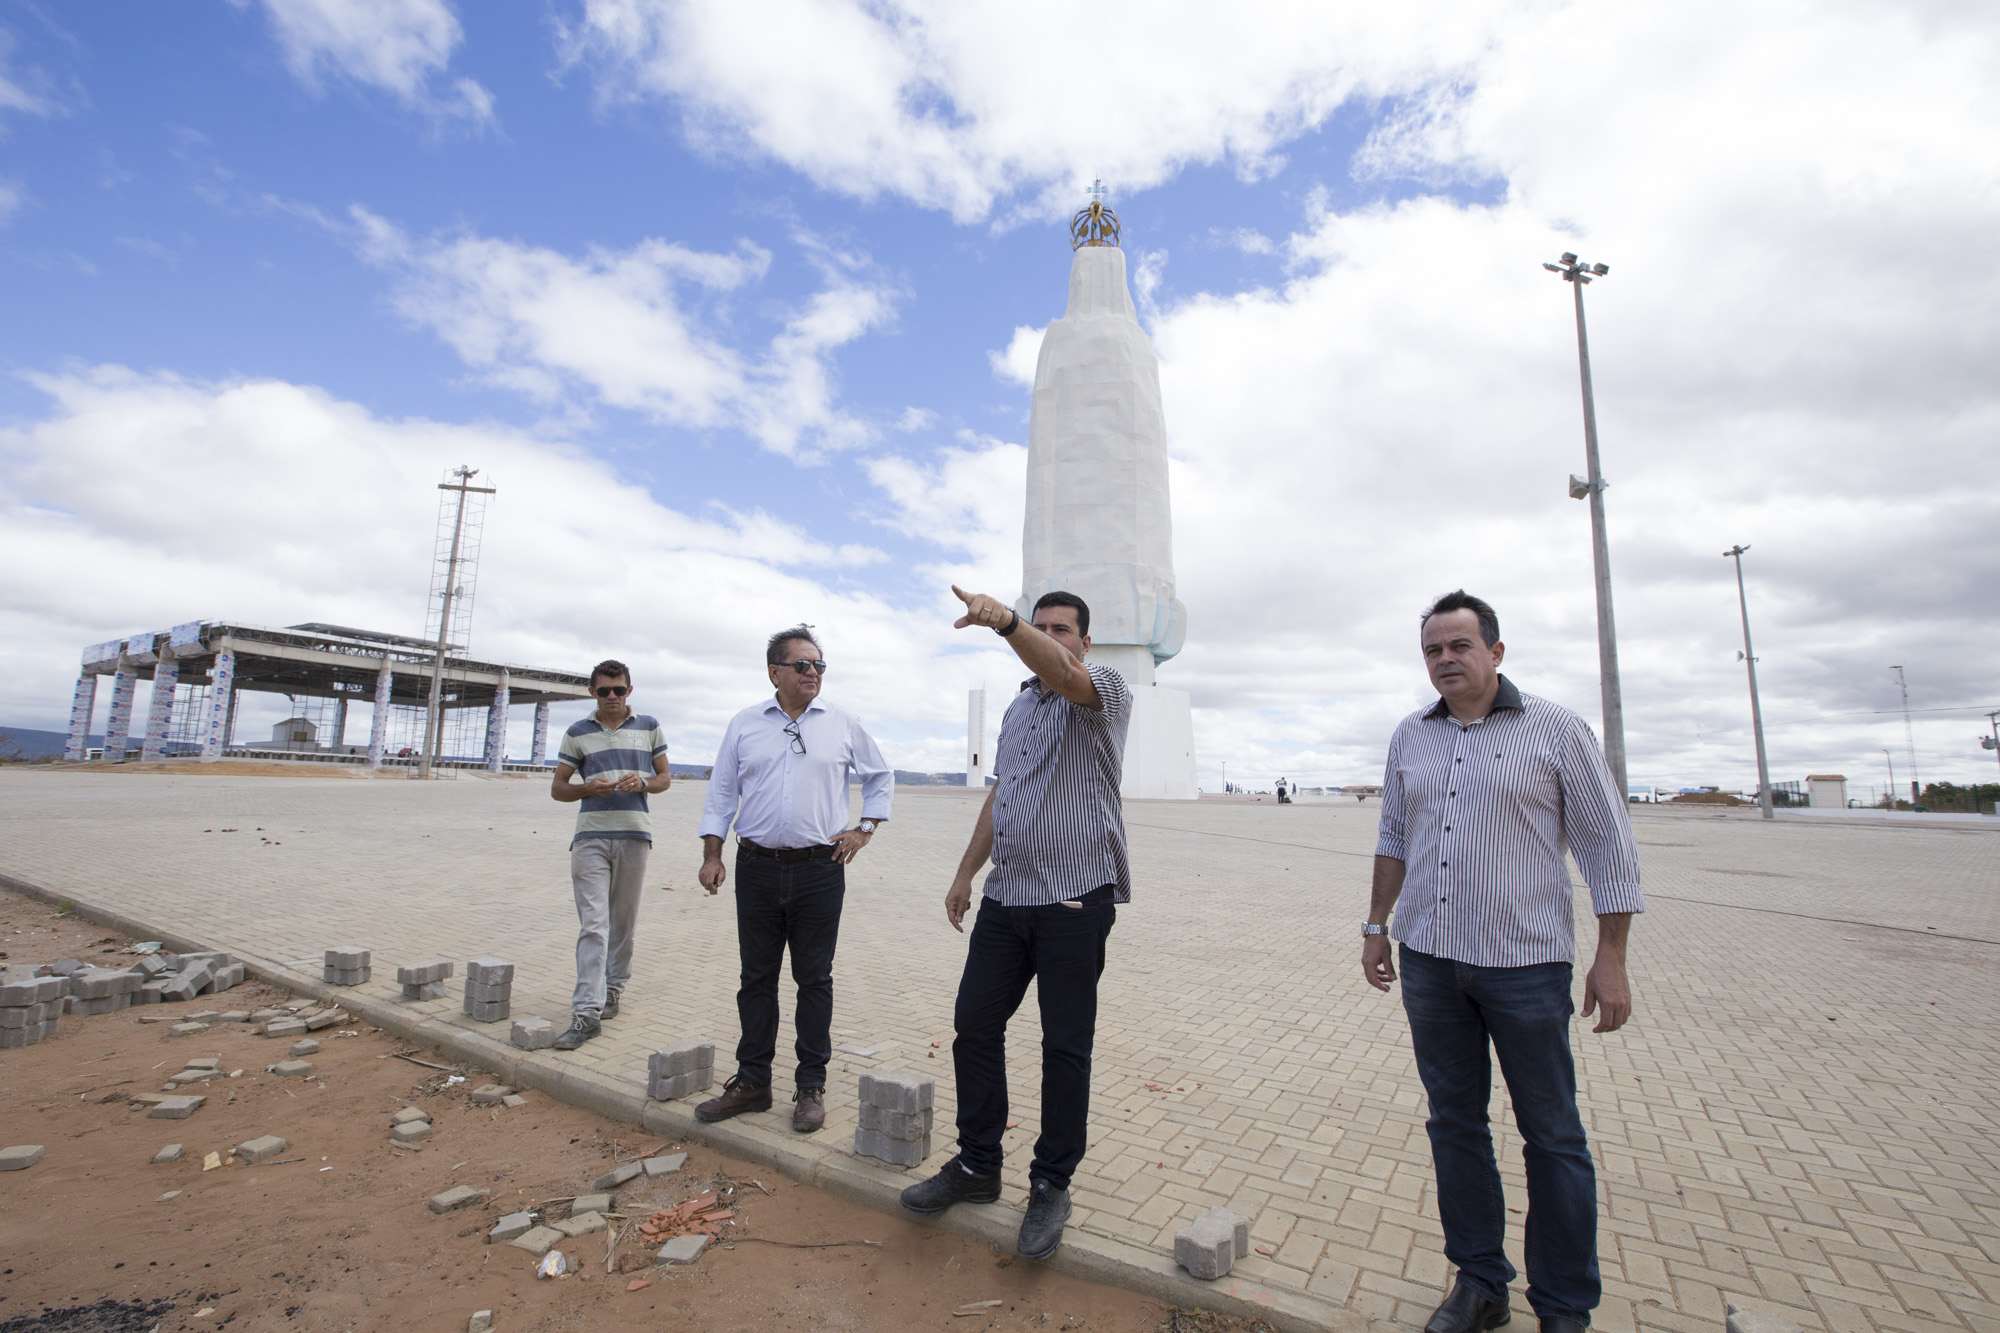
x=338, y=737
x=160, y=714
x=378, y=726
x=81, y=705
x=221, y=717
x=540, y=749
x=118, y=727
x=496, y=727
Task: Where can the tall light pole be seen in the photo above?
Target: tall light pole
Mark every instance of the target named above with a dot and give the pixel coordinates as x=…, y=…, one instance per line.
x=1749, y=657
x=1577, y=273
x=1909, y=732
x=434, y=716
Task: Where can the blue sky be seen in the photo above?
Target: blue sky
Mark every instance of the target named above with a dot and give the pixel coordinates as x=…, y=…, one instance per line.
x=727, y=314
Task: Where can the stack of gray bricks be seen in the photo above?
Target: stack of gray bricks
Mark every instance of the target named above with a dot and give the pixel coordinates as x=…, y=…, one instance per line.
x=347, y=965
x=489, y=990
x=30, y=1009
x=223, y=970
x=425, y=981
x=895, y=1117
x=98, y=991
x=681, y=1070
x=187, y=980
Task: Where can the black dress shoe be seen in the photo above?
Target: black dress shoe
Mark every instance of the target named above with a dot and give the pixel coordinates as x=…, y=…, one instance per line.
x=1562, y=1323
x=952, y=1185
x=1042, y=1227
x=1466, y=1311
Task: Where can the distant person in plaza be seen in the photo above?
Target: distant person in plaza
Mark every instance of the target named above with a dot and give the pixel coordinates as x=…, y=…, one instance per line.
x=782, y=775
x=1054, y=827
x=1483, y=791
x=622, y=758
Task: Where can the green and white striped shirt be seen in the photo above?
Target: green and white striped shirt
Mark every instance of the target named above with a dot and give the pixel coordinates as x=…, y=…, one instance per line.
x=595, y=752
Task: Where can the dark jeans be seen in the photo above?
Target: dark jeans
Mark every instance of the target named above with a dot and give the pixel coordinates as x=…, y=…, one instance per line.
x=793, y=905
x=1455, y=1009
x=1062, y=950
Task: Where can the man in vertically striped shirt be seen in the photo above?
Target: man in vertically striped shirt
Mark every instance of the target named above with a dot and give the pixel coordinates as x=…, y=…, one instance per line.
x=1483, y=792
x=622, y=757
x=1055, y=828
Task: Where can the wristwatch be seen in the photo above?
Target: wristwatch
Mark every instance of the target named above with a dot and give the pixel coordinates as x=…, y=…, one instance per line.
x=1370, y=928
x=867, y=826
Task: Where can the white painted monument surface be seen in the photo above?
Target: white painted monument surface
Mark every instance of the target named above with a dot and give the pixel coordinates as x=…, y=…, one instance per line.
x=1099, y=518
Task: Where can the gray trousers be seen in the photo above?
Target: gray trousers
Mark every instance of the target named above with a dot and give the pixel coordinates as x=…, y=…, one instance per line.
x=606, y=873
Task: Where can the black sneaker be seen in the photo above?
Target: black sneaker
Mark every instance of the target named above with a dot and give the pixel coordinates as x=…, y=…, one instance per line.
x=1042, y=1228
x=610, y=1009
x=952, y=1185
x=581, y=1029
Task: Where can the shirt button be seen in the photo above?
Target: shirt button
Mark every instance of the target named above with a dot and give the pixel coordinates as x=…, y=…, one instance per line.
x=1443, y=864
x=1447, y=828
x=1458, y=761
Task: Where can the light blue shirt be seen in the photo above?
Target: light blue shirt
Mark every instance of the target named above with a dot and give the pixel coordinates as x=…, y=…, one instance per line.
x=778, y=797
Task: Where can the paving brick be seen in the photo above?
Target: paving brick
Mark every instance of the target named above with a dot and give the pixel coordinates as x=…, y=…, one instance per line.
x=260, y=1149
x=617, y=1175
x=589, y=1203
x=20, y=1157
x=456, y=1197
x=537, y=1241
x=664, y=1165
x=581, y=1224
x=897, y=1152
x=486, y=1094
x=683, y=1249
x=513, y=1101
x=433, y=972
x=176, y=1108
x=186, y=1029
x=409, y=1131
x=664, y=1089
x=284, y=1027
x=535, y=1034
x=896, y=1124
x=303, y=1048
x=429, y=990
x=488, y=994
x=227, y=976
x=170, y=1153
x=291, y=1068
x=325, y=1018
x=511, y=1226
x=346, y=976
x=897, y=1090
x=480, y=1011
x=688, y=1056
x=1206, y=1247
x=407, y=1114
x=348, y=957
x=489, y=971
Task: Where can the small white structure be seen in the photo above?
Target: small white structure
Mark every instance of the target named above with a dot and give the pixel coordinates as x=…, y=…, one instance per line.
x=978, y=759
x=294, y=733
x=1826, y=791
x=1099, y=519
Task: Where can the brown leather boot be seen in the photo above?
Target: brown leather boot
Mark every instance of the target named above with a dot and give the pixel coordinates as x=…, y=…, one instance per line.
x=738, y=1095
x=810, y=1113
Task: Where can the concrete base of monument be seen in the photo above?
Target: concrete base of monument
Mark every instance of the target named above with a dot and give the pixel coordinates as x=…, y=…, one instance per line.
x=1159, y=749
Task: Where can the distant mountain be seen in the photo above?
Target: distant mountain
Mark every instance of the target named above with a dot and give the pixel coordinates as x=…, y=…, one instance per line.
x=34, y=744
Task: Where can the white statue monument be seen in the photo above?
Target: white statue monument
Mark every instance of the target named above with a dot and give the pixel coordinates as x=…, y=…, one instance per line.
x=1099, y=520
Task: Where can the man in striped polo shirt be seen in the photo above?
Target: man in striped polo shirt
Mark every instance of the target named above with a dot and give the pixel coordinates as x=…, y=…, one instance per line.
x=1483, y=791
x=622, y=757
x=1054, y=826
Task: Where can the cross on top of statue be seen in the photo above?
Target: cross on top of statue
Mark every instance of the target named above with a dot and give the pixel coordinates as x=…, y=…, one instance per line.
x=1095, y=224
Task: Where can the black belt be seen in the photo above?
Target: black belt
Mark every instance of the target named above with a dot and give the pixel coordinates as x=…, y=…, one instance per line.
x=824, y=853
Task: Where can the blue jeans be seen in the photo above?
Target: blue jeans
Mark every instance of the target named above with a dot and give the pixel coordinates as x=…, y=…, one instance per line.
x=1455, y=1010
x=1060, y=949
x=791, y=905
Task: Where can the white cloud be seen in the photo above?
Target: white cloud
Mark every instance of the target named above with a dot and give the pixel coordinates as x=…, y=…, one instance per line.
x=143, y=500
x=960, y=106
x=400, y=47
x=642, y=329
x=1015, y=363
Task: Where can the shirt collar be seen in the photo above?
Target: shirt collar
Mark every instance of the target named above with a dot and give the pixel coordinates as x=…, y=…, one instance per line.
x=629, y=716
x=1507, y=697
x=816, y=705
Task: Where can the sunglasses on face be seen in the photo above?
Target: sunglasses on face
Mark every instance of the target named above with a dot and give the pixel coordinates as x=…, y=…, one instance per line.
x=613, y=691
x=805, y=665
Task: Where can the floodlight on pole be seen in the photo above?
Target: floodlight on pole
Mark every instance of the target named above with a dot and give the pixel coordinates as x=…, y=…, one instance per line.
x=1591, y=486
x=1749, y=657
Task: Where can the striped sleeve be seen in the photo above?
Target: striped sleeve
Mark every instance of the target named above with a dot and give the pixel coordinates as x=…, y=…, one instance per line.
x=1597, y=826
x=658, y=741
x=1391, y=840
x=1112, y=692
x=570, y=752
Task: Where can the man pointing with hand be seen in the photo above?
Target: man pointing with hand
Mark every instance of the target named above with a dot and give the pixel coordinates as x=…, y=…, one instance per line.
x=1055, y=830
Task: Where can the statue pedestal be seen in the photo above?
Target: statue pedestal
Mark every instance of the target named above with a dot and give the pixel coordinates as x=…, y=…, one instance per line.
x=1159, y=749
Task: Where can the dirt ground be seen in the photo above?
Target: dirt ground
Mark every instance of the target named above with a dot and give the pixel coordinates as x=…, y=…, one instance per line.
x=334, y=1233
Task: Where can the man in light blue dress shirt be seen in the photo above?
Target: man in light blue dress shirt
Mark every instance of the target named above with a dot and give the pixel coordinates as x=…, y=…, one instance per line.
x=782, y=775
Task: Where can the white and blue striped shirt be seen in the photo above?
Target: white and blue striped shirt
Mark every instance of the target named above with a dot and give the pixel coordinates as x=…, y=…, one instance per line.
x=1480, y=814
x=1058, y=820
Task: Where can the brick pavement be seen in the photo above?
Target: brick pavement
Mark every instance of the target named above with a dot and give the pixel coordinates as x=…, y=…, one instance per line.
x=1800, y=1115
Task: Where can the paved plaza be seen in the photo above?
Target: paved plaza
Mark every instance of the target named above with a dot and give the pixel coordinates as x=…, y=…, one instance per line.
x=1800, y=1117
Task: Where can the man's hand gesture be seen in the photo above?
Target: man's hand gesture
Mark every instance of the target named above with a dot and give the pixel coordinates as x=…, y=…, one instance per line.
x=990, y=612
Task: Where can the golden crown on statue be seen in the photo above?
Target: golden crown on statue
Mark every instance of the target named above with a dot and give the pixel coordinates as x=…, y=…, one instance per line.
x=1095, y=225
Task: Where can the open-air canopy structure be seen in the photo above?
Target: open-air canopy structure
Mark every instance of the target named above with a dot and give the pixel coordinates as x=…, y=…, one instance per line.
x=199, y=669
